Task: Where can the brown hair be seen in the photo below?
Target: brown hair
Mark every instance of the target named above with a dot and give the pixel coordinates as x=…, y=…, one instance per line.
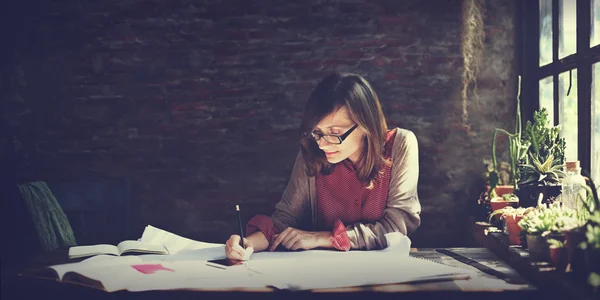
x=354, y=92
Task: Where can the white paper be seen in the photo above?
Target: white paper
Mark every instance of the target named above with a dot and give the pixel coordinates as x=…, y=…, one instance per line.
x=367, y=268
x=204, y=254
x=397, y=243
x=300, y=270
x=90, y=250
x=173, y=242
x=95, y=263
x=197, y=275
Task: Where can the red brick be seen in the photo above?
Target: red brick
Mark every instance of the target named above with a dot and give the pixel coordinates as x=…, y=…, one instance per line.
x=350, y=54
x=390, y=76
x=395, y=20
x=233, y=35
x=363, y=43
x=337, y=62
x=258, y=35
x=306, y=64
x=334, y=42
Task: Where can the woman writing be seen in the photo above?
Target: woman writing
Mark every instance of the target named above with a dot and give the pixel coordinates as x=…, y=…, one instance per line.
x=353, y=181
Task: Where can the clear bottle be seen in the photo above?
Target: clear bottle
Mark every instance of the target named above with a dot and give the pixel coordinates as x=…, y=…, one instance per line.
x=573, y=188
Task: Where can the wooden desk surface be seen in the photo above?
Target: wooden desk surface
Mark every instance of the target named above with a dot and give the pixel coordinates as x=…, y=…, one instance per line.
x=482, y=285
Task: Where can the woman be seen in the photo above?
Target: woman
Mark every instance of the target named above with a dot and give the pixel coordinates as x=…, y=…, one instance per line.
x=353, y=180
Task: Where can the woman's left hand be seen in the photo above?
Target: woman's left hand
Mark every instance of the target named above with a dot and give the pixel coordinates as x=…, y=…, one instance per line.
x=295, y=239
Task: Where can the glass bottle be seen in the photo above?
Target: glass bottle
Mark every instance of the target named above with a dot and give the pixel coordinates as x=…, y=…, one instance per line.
x=573, y=188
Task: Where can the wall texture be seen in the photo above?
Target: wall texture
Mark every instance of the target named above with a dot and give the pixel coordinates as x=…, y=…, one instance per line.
x=198, y=102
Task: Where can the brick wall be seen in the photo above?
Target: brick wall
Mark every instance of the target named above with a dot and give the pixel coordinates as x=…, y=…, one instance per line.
x=198, y=102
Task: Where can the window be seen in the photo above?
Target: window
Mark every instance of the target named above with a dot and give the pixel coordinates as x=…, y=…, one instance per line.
x=567, y=103
x=547, y=96
x=561, y=69
x=596, y=121
x=595, y=16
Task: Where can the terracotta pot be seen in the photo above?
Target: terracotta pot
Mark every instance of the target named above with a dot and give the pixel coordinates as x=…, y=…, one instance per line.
x=558, y=256
x=502, y=190
x=513, y=229
x=537, y=247
x=574, y=237
x=498, y=203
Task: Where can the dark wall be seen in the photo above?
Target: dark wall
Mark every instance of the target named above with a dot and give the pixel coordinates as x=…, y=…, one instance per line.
x=198, y=103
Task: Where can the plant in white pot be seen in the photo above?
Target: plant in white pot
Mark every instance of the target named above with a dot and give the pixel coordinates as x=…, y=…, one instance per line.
x=541, y=223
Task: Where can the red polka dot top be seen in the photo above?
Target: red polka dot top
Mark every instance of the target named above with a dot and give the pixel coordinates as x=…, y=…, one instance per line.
x=342, y=199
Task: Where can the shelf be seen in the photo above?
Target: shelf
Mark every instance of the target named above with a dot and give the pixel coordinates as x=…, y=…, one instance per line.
x=541, y=273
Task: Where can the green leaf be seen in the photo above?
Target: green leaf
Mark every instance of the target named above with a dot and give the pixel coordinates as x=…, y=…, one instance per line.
x=594, y=280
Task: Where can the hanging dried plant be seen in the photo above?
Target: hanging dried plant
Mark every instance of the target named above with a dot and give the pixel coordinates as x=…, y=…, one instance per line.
x=473, y=35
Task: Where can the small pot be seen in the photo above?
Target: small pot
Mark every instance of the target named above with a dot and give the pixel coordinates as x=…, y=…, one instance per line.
x=513, y=229
x=502, y=190
x=558, y=256
x=575, y=258
x=537, y=247
x=498, y=203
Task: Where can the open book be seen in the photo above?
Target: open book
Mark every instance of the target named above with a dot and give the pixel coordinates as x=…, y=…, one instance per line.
x=129, y=247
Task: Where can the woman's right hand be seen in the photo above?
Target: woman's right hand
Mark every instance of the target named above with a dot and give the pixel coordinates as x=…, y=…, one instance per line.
x=234, y=250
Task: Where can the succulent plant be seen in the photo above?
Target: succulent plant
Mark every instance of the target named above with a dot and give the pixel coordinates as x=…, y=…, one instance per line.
x=543, y=163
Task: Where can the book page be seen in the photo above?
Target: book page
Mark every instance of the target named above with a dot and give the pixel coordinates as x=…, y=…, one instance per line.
x=173, y=242
x=82, y=251
x=137, y=246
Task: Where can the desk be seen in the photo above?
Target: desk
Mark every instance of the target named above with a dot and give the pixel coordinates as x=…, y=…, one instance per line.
x=483, y=285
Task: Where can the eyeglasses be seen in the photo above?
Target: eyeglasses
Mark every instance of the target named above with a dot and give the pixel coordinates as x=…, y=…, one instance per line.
x=331, y=138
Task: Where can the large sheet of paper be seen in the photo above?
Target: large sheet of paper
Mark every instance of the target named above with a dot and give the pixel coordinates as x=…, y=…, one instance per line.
x=301, y=270
x=354, y=269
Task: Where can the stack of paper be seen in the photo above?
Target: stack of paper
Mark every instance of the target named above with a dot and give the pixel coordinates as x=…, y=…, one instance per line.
x=187, y=268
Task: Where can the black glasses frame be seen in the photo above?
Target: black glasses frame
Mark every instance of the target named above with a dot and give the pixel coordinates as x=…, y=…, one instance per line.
x=317, y=136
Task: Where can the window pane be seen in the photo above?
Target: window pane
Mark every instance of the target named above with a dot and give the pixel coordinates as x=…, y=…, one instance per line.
x=545, y=32
x=568, y=112
x=547, y=97
x=567, y=27
x=595, y=170
x=595, y=34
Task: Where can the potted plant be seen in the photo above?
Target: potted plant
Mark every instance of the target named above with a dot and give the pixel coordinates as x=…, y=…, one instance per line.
x=506, y=200
x=511, y=217
x=565, y=220
x=543, y=221
x=558, y=254
x=540, y=169
x=576, y=237
x=502, y=178
x=591, y=251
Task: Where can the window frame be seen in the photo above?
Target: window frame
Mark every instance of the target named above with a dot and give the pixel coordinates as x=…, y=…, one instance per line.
x=582, y=60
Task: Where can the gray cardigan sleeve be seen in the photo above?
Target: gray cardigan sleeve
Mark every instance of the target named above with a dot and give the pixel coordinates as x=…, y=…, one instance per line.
x=402, y=212
x=293, y=210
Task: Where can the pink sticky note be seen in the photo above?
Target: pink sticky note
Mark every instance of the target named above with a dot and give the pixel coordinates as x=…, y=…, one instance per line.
x=150, y=268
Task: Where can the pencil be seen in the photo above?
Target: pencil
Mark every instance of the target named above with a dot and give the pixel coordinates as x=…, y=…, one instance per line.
x=237, y=208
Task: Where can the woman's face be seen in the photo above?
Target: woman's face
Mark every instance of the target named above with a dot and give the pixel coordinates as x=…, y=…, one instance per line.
x=337, y=123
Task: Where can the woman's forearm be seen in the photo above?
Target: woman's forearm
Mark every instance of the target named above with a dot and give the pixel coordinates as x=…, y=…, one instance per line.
x=259, y=241
x=324, y=239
